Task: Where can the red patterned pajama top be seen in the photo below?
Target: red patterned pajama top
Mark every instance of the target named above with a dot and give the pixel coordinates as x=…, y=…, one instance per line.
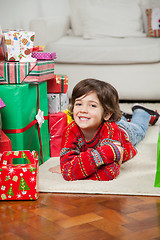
x=98, y=159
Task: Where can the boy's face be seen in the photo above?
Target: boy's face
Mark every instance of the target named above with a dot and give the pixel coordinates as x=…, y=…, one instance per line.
x=88, y=114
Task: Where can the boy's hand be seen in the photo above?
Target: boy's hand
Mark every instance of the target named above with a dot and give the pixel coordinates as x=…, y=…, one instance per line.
x=55, y=169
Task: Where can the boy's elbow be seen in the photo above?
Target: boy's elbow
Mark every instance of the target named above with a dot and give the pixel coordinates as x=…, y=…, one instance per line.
x=66, y=177
x=69, y=177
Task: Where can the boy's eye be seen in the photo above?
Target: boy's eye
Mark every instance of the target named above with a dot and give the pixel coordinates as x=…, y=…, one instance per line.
x=78, y=104
x=93, y=105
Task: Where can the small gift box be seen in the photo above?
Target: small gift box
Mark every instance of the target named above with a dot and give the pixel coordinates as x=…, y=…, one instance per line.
x=38, y=48
x=17, y=45
x=57, y=124
x=57, y=102
x=64, y=101
x=44, y=55
x=18, y=72
x=53, y=103
x=58, y=84
x=19, y=182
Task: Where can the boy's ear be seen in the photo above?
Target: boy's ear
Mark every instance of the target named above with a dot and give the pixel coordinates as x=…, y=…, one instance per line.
x=107, y=116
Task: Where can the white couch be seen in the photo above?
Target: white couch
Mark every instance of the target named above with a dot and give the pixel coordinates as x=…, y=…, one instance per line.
x=105, y=39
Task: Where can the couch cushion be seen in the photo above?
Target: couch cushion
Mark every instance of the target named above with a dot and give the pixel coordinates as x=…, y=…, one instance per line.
x=75, y=17
x=120, y=11
x=119, y=18
x=71, y=49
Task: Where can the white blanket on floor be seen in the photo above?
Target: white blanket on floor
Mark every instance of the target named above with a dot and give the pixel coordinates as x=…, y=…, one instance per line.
x=136, y=177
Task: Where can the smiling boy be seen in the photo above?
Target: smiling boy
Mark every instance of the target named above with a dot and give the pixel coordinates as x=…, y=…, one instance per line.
x=98, y=141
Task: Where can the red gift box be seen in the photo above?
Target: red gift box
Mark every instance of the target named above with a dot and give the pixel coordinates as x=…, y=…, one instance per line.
x=57, y=124
x=19, y=182
x=58, y=84
x=5, y=143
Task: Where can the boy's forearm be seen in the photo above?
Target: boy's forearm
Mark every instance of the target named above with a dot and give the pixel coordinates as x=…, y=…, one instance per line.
x=77, y=166
x=80, y=166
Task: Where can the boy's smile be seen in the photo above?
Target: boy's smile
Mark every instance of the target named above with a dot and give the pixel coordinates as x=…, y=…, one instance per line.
x=88, y=114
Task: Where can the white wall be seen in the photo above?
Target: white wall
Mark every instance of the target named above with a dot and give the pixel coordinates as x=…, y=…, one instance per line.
x=16, y=14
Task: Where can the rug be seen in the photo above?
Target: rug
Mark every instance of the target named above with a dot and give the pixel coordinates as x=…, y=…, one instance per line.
x=136, y=177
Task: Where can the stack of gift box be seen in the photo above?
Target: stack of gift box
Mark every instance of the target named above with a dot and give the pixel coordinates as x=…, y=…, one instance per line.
x=57, y=103
x=26, y=77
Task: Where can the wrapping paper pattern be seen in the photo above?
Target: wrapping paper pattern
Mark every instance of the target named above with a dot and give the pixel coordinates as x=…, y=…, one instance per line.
x=44, y=55
x=19, y=182
x=15, y=72
x=57, y=124
x=58, y=84
x=19, y=117
x=17, y=45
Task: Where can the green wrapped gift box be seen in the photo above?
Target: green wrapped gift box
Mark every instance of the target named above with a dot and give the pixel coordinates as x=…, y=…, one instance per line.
x=157, y=178
x=19, y=117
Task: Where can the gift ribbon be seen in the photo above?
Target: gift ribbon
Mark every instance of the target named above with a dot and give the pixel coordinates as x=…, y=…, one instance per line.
x=31, y=124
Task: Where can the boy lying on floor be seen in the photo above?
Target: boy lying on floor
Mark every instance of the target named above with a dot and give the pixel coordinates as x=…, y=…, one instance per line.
x=100, y=138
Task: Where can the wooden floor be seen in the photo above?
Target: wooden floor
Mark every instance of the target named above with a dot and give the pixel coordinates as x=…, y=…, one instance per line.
x=81, y=217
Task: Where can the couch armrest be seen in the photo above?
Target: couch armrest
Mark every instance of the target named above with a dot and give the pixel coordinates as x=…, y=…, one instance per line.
x=49, y=29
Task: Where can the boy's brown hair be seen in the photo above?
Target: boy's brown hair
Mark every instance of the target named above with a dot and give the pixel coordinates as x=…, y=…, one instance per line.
x=106, y=93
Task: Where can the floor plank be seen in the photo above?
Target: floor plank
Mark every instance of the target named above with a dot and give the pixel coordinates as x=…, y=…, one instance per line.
x=56, y=216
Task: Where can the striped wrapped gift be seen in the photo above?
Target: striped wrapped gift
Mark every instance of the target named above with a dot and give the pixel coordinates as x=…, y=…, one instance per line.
x=23, y=72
